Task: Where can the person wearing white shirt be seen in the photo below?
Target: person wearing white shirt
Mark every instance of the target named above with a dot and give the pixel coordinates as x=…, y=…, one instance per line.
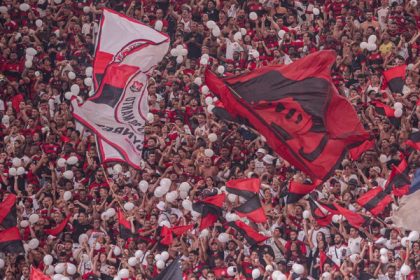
x=354, y=241
x=339, y=251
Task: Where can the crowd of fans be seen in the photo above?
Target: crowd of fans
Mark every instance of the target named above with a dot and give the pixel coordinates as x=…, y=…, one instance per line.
x=38, y=131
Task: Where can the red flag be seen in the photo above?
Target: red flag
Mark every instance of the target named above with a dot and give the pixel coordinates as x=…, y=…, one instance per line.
x=375, y=200
x=180, y=230
x=323, y=259
x=354, y=219
x=252, y=209
x=356, y=152
x=8, y=216
x=167, y=237
x=249, y=233
x=11, y=241
x=298, y=190
x=124, y=225
x=322, y=212
x=59, y=228
x=244, y=187
x=298, y=110
x=37, y=274
x=395, y=78
x=398, y=182
x=210, y=209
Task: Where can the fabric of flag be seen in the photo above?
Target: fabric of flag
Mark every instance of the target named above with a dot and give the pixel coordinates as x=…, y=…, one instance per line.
x=11, y=241
x=298, y=190
x=322, y=212
x=356, y=220
x=398, y=182
x=127, y=51
x=252, y=209
x=385, y=110
x=37, y=274
x=246, y=188
x=124, y=225
x=375, y=200
x=116, y=32
x=250, y=234
x=210, y=209
x=415, y=184
x=395, y=78
x=59, y=228
x=167, y=234
x=171, y=272
x=8, y=217
x=414, y=140
x=356, y=152
x=406, y=216
x=324, y=259
x=298, y=110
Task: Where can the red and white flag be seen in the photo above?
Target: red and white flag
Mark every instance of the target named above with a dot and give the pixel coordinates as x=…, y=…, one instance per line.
x=126, y=53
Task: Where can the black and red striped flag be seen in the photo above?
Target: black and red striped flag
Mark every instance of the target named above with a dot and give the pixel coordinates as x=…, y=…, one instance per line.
x=210, y=209
x=375, y=200
x=322, y=212
x=395, y=77
x=387, y=111
x=124, y=225
x=354, y=219
x=298, y=110
x=252, y=209
x=414, y=140
x=249, y=233
x=298, y=190
x=246, y=188
x=58, y=228
x=398, y=182
x=8, y=216
x=324, y=259
x=11, y=241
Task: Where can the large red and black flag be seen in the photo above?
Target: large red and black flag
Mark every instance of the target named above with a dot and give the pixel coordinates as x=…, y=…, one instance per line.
x=11, y=241
x=250, y=234
x=58, y=228
x=298, y=110
x=37, y=274
x=398, y=182
x=210, y=209
x=414, y=140
x=124, y=225
x=324, y=259
x=246, y=188
x=252, y=209
x=375, y=200
x=299, y=190
x=322, y=212
x=354, y=219
x=172, y=271
x=395, y=77
x=8, y=217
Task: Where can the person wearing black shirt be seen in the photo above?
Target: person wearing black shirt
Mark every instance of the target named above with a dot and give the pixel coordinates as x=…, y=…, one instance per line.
x=194, y=41
x=81, y=225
